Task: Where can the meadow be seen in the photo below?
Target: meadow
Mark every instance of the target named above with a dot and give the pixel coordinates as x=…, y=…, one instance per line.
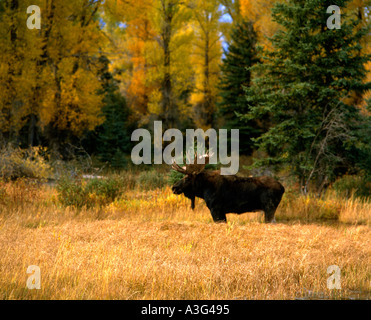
x=291, y=76
x=148, y=244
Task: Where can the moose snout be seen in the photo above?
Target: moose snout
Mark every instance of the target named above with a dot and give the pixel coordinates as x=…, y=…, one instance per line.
x=176, y=190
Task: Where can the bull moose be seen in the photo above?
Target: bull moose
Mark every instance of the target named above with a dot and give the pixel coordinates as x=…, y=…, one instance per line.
x=228, y=194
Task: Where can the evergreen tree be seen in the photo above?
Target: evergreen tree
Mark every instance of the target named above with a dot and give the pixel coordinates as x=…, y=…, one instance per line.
x=110, y=141
x=303, y=85
x=236, y=76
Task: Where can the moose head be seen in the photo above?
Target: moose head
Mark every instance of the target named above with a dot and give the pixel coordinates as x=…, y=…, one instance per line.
x=191, y=171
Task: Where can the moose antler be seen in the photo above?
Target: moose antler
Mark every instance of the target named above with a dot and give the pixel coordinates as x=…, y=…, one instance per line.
x=192, y=168
x=176, y=167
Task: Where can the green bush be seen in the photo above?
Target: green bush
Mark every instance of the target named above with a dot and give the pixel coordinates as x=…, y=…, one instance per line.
x=356, y=186
x=88, y=193
x=71, y=193
x=23, y=163
x=99, y=192
x=151, y=180
x=108, y=189
x=175, y=176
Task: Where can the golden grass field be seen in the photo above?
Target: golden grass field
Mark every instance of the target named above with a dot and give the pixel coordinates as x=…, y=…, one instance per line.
x=151, y=245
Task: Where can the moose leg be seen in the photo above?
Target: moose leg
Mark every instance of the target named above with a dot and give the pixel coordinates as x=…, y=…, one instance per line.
x=218, y=216
x=269, y=215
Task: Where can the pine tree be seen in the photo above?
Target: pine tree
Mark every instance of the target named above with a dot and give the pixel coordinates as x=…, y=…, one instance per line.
x=236, y=76
x=303, y=84
x=110, y=141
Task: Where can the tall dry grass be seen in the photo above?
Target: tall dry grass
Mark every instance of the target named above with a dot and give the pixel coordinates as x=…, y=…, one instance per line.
x=149, y=244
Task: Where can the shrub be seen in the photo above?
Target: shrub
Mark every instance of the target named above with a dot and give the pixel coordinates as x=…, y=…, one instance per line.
x=126, y=179
x=175, y=176
x=151, y=180
x=71, y=193
x=107, y=189
x=357, y=186
x=79, y=193
x=294, y=205
x=23, y=163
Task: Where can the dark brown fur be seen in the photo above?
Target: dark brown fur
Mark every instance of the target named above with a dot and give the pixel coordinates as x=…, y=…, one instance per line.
x=232, y=194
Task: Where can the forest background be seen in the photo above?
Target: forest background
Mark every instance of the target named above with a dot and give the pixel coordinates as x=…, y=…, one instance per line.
x=97, y=70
